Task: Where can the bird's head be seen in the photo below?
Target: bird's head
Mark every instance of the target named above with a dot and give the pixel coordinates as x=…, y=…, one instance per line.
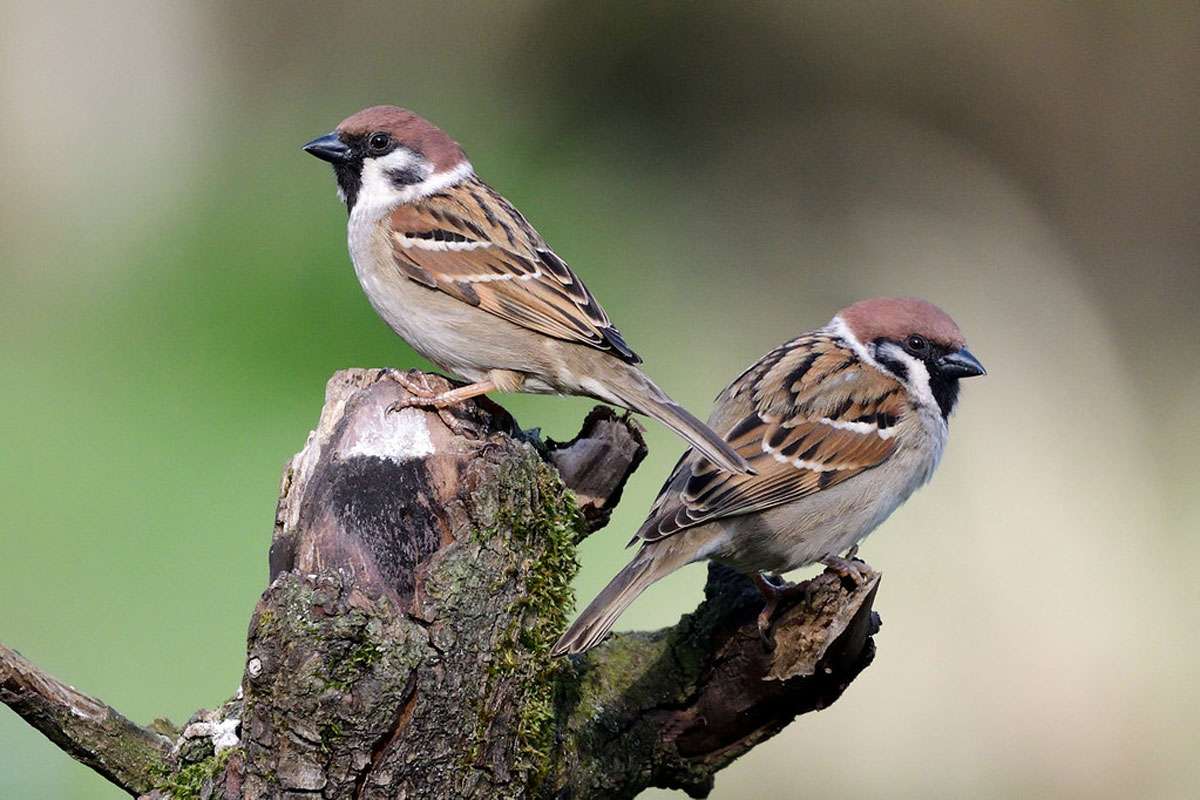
x=385, y=155
x=915, y=341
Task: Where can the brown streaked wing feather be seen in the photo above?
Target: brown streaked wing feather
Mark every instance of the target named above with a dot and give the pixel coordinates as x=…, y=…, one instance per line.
x=795, y=398
x=494, y=260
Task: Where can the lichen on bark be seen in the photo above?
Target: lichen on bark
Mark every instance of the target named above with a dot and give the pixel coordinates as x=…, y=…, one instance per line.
x=419, y=574
x=542, y=549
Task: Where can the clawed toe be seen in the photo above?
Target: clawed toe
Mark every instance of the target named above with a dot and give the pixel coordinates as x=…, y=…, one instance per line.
x=765, y=623
x=423, y=396
x=400, y=405
x=457, y=426
x=850, y=569
x=774, y=595
x=430, y=401
x=417, y=388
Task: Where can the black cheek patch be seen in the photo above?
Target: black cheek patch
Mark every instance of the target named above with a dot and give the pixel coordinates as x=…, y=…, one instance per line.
x=894, y=366
x=405, y=176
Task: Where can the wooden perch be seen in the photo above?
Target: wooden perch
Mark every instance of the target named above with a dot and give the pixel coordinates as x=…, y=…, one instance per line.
x=85, y=728
x=420, y=572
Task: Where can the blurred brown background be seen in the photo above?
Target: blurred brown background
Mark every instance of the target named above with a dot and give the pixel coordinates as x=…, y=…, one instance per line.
x=176, y=291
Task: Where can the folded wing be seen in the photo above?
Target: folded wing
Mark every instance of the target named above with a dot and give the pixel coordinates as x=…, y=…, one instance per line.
x=473, y=245
x=807, y=416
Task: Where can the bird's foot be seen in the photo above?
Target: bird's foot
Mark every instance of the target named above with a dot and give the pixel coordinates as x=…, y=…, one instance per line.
x=416, y=384
x=848, y=568
x=775, y=595
x=422, y=395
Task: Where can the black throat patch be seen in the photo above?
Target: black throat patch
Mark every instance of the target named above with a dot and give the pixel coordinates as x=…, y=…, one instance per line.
x=349, y=173
x=349, y=180
x=944, y=390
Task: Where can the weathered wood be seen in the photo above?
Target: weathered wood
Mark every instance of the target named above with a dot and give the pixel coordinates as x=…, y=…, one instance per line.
x=673, y=707
x=86, y=729
x=596, y=464
x=414, y=662
x=420, y=572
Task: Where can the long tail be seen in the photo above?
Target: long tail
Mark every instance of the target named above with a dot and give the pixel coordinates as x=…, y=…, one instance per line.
x=598, y=618
x=637, y=392
x=653, y=561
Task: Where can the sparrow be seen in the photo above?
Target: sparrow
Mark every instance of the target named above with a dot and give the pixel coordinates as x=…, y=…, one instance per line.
x=458, y=273
x=841, y=426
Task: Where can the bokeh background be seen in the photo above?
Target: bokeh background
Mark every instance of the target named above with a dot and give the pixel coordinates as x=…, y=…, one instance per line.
x=175, y=292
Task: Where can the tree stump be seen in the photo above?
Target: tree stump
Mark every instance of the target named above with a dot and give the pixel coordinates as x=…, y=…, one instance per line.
x=420, y=570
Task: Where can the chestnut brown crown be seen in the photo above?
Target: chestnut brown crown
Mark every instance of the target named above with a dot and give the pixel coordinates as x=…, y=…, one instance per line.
x=898, y=317
x=410, y=130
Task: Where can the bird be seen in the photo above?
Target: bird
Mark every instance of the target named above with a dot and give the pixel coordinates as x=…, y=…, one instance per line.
x=457, y=271
x=841, y=425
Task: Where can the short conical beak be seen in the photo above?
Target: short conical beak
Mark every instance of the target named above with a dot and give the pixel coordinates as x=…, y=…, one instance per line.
x=960, y=364
x=329, y=148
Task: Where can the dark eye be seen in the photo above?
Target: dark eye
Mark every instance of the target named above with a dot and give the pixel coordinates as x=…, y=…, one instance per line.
x=379, y=142
x=916, y=344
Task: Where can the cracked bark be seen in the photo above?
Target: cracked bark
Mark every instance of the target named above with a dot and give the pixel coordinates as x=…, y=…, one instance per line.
x=418, y=579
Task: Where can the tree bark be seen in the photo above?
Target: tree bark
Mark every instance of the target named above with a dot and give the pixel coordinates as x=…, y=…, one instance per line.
x=420, y=570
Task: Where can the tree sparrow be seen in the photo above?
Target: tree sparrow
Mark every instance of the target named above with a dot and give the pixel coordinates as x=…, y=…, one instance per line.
x=841, y=425
x=459, y=274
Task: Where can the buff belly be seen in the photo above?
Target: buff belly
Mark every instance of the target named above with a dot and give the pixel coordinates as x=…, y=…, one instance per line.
x=830, y=522
x=458, y=338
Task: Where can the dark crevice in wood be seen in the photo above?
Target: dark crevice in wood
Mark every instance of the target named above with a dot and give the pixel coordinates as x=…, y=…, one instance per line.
x=419, y=575
x=387, y=742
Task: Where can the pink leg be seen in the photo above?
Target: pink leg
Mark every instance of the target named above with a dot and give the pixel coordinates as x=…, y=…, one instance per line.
x=453, y=397
x=421, y=395
x=773, y=595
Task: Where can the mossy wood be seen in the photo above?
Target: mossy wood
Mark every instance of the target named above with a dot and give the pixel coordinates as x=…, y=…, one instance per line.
x=420, y=570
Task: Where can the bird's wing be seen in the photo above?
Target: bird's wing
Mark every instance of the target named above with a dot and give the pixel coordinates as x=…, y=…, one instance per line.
x=807, y=416
x=470, y=243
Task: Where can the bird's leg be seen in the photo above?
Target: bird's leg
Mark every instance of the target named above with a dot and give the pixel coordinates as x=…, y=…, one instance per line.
x=770, y=594
x=847, y=568
x=422, y=395
x=416, y=388
x=774, y=595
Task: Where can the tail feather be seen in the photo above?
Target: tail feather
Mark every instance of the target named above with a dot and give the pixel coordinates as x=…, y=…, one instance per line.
x=698, y=435
x=598, y=618
x=648, y=399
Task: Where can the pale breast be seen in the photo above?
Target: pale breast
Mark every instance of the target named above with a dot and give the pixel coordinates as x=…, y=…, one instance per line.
x=459, y=338
x=832, y=521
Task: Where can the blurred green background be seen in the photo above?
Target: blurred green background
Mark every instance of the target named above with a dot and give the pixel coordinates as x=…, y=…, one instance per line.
x=176, y=291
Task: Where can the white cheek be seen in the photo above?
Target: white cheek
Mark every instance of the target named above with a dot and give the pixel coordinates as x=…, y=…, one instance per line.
x=378, y=195
x=399, y=159
x=918, y=375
